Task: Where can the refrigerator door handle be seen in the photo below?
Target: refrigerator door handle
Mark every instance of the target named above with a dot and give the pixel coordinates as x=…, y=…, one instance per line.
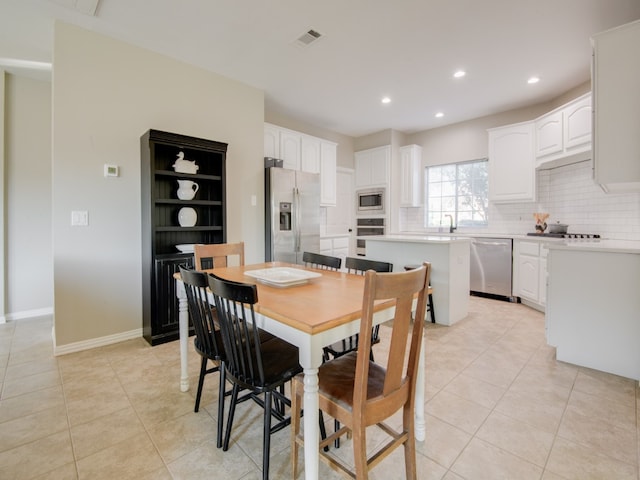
x=296, y=225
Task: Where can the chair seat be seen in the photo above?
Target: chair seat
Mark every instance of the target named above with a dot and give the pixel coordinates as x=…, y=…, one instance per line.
x=280, y=364
x=336, y=379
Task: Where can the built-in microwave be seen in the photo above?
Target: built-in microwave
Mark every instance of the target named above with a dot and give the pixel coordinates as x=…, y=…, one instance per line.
x=370, y=201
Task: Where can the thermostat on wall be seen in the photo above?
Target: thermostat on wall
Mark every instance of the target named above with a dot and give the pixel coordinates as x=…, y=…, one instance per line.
x=111, y=170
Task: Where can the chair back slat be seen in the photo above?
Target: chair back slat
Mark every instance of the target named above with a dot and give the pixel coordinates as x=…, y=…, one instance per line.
x=216, y=255
x=322, y=262
x=203, y=317
x=402, y=362
x=234, y=302
x=361, y=265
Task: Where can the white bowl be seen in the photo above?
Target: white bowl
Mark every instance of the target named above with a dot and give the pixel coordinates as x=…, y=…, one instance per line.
x=185, y=247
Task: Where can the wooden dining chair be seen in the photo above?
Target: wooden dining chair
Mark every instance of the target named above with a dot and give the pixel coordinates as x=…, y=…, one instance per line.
x=359, y=392
x=323, y=262
x=357, y=266
x=215, y=255
x=262, y=368
x=208, y=340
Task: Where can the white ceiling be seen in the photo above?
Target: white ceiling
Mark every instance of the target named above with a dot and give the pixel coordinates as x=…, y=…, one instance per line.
x=405, y=49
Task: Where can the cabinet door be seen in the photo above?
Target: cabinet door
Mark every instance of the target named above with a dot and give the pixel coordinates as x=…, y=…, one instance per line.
x=271, y=141
x=363, y=168
x=380, y=166
x=549, y=134
x=616, y=76
x=290, y=148
x=410, y=176
x=577, y=124
x=512, y=175
x=310, y=160
x=328, y=178
x=528, y=281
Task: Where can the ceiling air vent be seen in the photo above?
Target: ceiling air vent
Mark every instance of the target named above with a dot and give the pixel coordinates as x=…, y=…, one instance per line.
x=308, y=38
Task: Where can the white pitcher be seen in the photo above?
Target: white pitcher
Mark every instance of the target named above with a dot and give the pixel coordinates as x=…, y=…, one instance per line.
x=187, y=189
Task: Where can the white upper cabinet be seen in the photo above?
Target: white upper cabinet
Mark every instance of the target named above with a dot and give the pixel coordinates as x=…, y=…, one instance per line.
x=616, y=102
x=310, y=160
x=372, y=167
x=271, y=141
x=564, y=134
x=410, y=176
x=577, y=121
x=512, y=176
x=291, y=149
x=304, y=152
x=549, y=134
x=328, y=173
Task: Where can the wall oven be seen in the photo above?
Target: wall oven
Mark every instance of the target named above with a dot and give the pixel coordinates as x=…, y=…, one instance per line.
x=370, y=201
x=367, y=227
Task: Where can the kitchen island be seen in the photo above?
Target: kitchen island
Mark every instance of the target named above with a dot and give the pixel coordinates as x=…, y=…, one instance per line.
x=449, y=257
x=593, y=306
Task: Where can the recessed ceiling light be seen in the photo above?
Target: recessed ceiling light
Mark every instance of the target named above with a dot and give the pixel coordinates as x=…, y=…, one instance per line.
x=459, y=74
x=533, y=80
x=439, y=115
x=386, y=100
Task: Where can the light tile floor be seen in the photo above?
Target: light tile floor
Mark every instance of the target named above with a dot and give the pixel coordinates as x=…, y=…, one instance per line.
x=498, y=406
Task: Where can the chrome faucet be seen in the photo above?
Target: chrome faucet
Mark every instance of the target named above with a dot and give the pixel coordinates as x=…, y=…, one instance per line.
x=451, y=227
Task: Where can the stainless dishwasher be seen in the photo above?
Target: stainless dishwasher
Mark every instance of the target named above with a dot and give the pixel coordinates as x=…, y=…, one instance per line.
x=491, y=260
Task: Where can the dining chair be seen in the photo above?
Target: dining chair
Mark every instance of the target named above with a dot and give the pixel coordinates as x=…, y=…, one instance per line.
x=359, y=392
x=357, y=266
x=323, y=262
x=430, y=309
x=260, y=367
x=208, y=340
x=215, y=255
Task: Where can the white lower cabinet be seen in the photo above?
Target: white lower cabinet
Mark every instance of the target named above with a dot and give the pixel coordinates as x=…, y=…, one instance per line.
x=530, y=272
x=335, y=246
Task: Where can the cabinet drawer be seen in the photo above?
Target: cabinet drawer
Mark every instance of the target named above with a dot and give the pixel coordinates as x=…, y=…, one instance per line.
x=529, y=248
x=341, y=242
x=325, y=244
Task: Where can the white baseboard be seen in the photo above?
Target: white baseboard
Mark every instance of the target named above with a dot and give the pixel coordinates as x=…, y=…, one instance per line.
x=38, y=312
x=95, y=342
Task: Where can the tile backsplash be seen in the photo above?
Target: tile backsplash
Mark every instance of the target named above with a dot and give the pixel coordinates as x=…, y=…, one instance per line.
x=570, y=196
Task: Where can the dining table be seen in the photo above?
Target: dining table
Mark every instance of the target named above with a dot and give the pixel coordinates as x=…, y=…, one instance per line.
x=322, y=307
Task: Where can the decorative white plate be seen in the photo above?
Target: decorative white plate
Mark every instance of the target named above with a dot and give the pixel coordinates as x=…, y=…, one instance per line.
x=282, y=276
x=187, y=217
x=185, y=247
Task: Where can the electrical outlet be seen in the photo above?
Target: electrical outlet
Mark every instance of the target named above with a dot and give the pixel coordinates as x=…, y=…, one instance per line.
x=79, y=218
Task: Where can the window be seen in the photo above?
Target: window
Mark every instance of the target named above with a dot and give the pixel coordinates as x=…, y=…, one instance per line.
x=459, y=190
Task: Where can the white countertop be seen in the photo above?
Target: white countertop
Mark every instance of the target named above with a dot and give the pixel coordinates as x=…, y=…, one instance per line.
x=602, y=246
x=414, y=238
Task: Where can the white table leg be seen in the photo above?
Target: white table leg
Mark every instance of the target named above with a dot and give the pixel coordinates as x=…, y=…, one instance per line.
x=420, y=428
x=311, y=425
x=183, y=322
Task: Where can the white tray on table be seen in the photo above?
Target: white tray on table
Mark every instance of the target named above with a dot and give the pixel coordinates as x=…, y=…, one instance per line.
x=282, y=276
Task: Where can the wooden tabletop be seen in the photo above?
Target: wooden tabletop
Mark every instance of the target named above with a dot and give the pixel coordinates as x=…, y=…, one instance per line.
x=325, y=302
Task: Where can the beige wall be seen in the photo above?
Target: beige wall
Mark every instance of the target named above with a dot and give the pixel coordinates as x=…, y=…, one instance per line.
x=106, y=94
x=28, y=195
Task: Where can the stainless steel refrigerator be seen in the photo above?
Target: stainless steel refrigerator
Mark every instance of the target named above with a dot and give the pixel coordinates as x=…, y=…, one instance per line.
x=292, y=214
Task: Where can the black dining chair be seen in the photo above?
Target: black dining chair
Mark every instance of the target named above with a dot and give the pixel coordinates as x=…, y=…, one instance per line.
x=323, y=262
x=262, y=368
x=208, y=340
